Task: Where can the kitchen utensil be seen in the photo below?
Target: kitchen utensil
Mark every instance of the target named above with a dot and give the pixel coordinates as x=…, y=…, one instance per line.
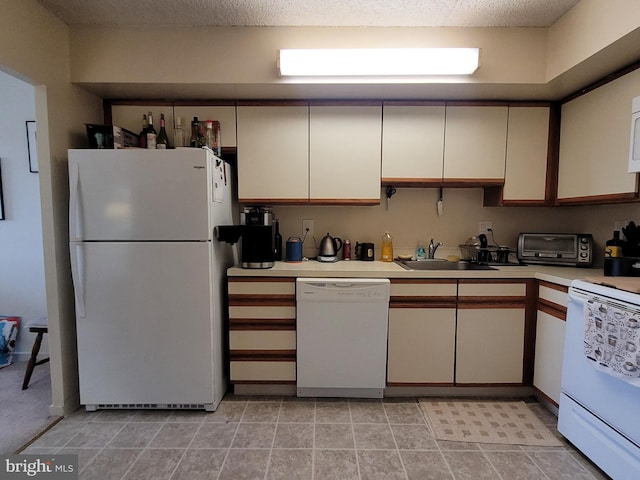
x=294, y=249
x=365, y=252
x=329, y=248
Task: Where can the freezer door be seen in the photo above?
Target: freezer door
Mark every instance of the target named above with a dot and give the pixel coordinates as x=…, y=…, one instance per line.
x=139, y=195
x=145, y=326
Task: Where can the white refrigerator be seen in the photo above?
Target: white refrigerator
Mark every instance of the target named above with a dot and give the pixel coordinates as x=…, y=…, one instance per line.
x=149, y=276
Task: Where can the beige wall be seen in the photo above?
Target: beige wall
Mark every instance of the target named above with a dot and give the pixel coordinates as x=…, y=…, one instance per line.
x=34, y=47
x=588, y=28
x=237, y=59
x=412, y=217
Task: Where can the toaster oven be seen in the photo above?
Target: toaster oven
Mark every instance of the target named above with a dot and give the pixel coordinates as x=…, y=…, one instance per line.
x=569, y=249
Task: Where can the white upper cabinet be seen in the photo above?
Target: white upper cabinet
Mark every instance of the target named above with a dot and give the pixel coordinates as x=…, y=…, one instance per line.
x=594, y=144
x=344, y=153
x=527, y=151
x=412, y=143
x=475, y=143
x=273, y=154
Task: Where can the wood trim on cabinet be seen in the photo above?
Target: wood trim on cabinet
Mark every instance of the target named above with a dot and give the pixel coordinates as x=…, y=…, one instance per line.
x=262, y=279
x=273, y=201
x=418, y=384
x=261, y=300
x=345, y=201
x=553, y=286
x=489, y=384
x=601, y=199
x=490, y=302
x=272, y=103
x=262, y=324
x=412, y=182
x=530, y=328
x=345, y=103
x=414, y=103
x=422, y=302
x=262, y=355
x=471, y=182
x=552, y=309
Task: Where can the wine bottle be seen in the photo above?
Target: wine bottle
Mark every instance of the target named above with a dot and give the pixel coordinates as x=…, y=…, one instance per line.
x=162, y=141
x=178, y=134
x=195, y=137
x=143, y=133
x=151, y=133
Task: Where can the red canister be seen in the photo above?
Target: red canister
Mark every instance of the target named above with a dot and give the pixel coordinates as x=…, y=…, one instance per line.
x=346, y=249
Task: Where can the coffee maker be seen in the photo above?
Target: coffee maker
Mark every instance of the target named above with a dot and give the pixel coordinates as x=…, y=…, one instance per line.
x=256, y=232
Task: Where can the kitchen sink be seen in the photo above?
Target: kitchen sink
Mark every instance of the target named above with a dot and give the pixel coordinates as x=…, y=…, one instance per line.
x=436, y=264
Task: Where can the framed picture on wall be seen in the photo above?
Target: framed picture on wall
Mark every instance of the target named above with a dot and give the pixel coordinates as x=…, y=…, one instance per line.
x=1, y=197
x=32, y=147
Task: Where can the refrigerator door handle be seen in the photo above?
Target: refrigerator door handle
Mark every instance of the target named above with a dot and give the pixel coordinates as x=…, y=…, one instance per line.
x=77, y=275
x=75, y=217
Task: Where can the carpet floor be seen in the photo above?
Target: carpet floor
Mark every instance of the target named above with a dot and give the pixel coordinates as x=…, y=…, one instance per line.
x=24, y=413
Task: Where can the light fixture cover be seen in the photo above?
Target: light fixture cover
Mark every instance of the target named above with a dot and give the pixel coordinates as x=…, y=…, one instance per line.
x=323, y=62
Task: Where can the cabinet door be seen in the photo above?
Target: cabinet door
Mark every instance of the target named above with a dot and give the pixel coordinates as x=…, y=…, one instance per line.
x=490, y=345
x=527, y=151
x=594, y=144
x=345, y=154
x=421, y=345
x=549, y=350
x=273, y=154
x=412, y=143
x=475, y=143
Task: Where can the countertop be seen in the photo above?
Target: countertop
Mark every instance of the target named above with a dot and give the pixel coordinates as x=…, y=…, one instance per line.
x=378, y=269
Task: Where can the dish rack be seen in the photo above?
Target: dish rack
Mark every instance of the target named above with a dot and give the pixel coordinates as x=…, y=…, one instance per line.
x=474, y=253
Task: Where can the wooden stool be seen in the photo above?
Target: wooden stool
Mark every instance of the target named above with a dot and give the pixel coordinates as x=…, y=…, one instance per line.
x=40, y=327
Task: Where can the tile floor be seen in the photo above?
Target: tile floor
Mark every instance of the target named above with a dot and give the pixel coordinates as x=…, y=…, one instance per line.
x=295, y=439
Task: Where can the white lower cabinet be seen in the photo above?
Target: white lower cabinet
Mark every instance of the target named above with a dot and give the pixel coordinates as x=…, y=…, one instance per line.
x=421, y=345
x=550, y=331
x=490, y=345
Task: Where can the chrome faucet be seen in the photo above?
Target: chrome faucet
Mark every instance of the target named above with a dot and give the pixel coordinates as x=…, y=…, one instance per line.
x=432, y=249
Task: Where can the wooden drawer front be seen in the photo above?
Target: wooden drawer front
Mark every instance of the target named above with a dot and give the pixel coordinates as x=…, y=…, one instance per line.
x=490, y=346
x=421, y=346
x=262, y=340
x=425, y=290
x=263, y=372
x=256, y=287
x=261, y=312
x=470, y=288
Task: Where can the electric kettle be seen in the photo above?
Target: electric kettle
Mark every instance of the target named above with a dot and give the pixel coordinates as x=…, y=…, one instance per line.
x=329, y=248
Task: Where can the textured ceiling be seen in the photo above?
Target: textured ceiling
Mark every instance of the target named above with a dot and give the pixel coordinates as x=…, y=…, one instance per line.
x=392, y=13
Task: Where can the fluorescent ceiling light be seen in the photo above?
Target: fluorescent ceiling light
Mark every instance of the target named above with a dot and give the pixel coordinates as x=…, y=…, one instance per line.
x=377, y=62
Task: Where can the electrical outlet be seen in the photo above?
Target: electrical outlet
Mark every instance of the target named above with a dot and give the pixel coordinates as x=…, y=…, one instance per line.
x=619, y=224
x=307, y=228
x=483, y=227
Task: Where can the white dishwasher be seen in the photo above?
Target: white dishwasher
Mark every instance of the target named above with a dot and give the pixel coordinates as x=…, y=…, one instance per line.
x=341, y=329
